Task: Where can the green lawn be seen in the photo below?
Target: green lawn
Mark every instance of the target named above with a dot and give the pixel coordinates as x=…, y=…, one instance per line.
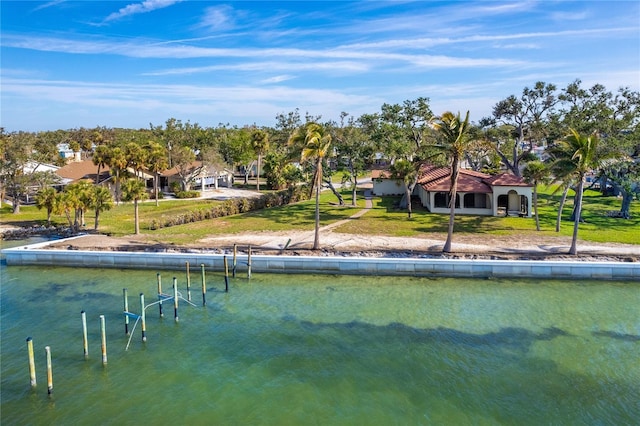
x=384, y=219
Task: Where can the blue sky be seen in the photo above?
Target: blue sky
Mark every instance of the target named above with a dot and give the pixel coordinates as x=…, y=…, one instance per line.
x=68, y=64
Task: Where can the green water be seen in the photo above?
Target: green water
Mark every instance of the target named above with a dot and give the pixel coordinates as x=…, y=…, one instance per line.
x=326, y=350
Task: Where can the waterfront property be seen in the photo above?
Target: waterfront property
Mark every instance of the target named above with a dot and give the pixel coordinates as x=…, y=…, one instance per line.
x=344, y=265
x=478, y=193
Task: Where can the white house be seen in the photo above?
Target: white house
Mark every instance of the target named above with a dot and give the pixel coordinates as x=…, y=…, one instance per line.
x=477, y=193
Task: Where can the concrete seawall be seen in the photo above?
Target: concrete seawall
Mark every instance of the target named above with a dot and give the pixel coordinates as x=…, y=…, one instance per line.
x=35, y=254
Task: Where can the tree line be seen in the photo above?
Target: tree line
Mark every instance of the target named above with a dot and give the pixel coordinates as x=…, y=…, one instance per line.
x=544, y=134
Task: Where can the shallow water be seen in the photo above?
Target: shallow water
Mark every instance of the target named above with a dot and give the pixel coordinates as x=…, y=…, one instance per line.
x=289, y=349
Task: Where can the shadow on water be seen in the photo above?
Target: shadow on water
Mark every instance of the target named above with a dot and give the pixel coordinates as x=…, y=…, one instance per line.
x=616, y=335
x=436, y=364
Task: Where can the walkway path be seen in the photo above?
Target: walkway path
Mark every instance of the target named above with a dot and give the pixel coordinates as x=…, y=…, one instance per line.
x=305, y=239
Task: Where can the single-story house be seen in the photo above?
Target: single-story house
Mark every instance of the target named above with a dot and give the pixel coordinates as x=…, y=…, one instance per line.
x=199, y=175
x=477, y=193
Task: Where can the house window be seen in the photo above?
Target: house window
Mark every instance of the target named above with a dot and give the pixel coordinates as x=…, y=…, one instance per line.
x=441, y=200
x=477, y=201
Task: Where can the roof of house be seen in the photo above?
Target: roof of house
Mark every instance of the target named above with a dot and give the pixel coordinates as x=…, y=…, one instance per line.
x=437, y=179
x=77, y=170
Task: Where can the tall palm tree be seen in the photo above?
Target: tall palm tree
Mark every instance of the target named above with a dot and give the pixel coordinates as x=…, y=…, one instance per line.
x=536, y=172
x=134, y=190
x=316, y=142
x=260, y=145
x=157, y=161
x=452, y=142
x=101, y=159
x=118, y=163
x=577, y=154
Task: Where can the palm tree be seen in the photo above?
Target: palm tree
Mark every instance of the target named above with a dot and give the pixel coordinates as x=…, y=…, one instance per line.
x=46, y=198
x=158, y=161
x=316, y=141
x=260, y=144
x=452, y=143
x=118, y=163
x=101, y=159
x=100, y=200
x=536, y=172
x=406, y=171
x=134, y=190
x=578, y=155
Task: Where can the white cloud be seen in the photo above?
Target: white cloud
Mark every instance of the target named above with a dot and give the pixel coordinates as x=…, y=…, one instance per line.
x=144, y=7
x=277, y=79
x=48, y=4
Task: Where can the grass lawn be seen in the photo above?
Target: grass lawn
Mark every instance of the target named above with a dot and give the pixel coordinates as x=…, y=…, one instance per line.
x=383, y=219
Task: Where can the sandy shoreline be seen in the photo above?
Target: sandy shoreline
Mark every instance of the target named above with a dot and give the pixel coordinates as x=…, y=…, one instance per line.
x=333, y=243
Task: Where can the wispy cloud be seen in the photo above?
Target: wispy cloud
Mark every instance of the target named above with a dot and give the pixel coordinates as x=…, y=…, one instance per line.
x=144, y=7
x=338, y=66
x=277, y=79
x=142, y=50
x=48, y=4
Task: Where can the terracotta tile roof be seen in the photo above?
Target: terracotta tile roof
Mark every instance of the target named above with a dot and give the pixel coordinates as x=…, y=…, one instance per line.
x=380, y=174
x=506, y=179
x=433, y=178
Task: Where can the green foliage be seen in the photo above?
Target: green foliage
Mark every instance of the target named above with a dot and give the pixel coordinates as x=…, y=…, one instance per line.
x=187, y=194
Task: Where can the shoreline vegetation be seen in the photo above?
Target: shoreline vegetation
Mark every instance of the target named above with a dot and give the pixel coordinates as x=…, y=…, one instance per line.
x=372, y=229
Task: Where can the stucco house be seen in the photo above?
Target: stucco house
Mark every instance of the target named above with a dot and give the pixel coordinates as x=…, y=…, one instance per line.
x=200, y=176
x=477, y=193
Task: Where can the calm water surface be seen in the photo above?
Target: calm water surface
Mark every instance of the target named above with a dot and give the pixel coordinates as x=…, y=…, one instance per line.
x=289, y=349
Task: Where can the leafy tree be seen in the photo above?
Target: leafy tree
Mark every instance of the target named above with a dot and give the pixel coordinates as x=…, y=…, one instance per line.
x=46, y=198
x=187, y=171
x=402, y=132
x=316, y=146
x=451, y=144
x=260, y=145
x=525, y=119
x=536, y=173
x=15, y=149
x=134, y=190
x=354, y=151
x=616, y=118
x=405, y=171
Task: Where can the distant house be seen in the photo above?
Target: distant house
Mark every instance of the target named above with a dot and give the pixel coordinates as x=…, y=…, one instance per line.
x=198, y=175
x=477, y=193
x=79, y=170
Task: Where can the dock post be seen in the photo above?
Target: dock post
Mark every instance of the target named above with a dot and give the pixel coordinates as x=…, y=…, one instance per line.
x=226, y=275
x=32, y=362
x=126, y=309
x=235, y=254
x=188, y=282
x=85, y=341
x=175, y=299
x=142, y=318
x=103, y=336
x=249, y=264
x=47, y=350
x=160, y=295
x=204, y=286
